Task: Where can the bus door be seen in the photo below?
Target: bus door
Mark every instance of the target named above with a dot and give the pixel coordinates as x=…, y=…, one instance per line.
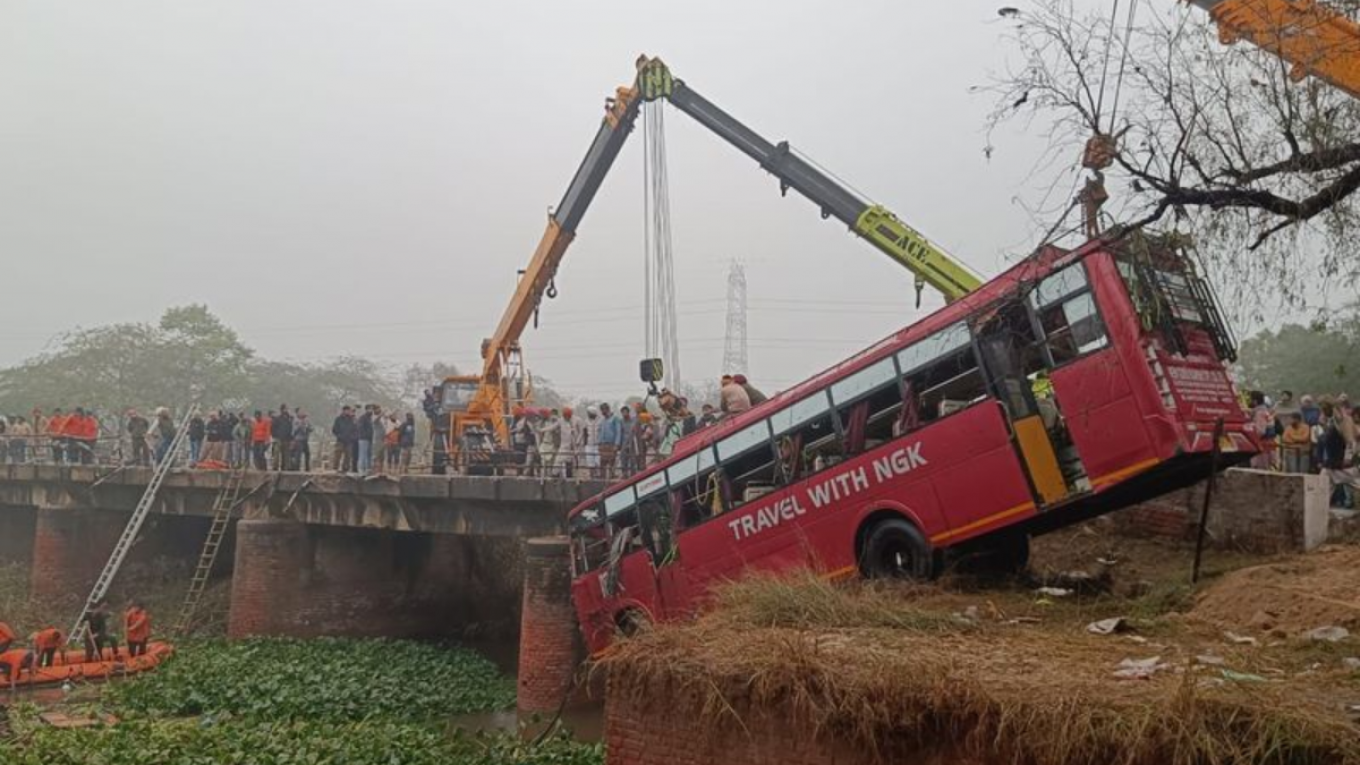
x=1010, y=357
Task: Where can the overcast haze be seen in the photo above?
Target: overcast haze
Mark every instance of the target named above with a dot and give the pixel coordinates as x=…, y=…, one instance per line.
x=347, y=177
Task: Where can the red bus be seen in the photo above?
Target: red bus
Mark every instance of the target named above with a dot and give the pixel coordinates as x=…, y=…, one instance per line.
x=1075, y=383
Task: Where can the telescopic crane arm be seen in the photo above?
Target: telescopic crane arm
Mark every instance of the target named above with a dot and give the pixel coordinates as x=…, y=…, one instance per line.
x=1311, y=37
x=654, y=81
x=904, y=244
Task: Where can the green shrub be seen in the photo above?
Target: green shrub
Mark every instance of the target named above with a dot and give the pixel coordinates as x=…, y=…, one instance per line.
x=327, y=679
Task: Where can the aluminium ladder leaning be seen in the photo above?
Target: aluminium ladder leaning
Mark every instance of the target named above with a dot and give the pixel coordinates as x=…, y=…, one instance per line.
x=226, y=501
x=134, y=525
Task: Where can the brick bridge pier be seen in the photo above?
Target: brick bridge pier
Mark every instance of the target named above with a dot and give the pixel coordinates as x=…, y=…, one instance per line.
x=308, y=554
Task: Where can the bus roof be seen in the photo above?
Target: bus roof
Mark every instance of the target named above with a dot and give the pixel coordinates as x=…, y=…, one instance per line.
x=1033, y=267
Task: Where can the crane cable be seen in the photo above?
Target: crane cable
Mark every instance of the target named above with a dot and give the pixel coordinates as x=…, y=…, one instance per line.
x=661, y=328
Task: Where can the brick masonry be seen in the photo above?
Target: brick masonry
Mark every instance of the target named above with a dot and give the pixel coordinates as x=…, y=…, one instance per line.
x=17, y=527
x=304, y=580
x=70, y=547
x=549, y=643
x=1254, y=510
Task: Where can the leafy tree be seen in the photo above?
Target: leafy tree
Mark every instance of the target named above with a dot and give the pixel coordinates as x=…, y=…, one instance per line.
x=189, y=356
x=1216, y=140
x=1315, y=360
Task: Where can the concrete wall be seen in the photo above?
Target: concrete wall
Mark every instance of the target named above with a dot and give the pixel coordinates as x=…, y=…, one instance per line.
x=1253, y=510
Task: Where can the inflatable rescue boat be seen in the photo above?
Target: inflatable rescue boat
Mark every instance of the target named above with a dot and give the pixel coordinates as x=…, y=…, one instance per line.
x=70, y=665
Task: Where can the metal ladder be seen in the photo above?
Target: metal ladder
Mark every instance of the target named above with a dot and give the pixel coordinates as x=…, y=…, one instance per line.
x=134, y=525
x=226, y=501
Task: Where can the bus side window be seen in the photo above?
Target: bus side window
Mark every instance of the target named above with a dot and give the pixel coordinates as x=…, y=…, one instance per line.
x=1067, y=314
x=590, y=540
x=806, y=437
x=748, y=463
x=656, y=519
x=621, y=512
x=866, y=402
x=694, y=484
x=941, y=372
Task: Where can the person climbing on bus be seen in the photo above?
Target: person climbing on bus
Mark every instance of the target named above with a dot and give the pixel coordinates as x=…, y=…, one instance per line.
x=46, y=643
x=97, y=636
x=733, y=398
x=754, y=394
x=137, y=627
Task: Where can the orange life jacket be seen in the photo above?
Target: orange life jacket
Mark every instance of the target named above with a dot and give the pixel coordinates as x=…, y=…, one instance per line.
x=137, y=625
x=72, y=426
x=259, y=431
x=56, y=424
x=48, y=639
x=89, y=428
x=6, y=634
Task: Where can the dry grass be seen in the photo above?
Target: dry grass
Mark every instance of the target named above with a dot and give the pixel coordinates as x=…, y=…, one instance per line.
x=877, y=668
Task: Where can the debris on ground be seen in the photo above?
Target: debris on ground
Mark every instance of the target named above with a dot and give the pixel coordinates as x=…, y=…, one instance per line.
x=1328, y=634
x=1109, y=626
x=1054, y=592
x=1140, y=669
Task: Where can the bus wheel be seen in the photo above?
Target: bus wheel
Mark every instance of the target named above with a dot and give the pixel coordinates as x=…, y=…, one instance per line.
x=895, y=549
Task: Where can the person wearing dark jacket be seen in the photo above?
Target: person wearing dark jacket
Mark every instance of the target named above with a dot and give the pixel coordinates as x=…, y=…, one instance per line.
x=407, y=442
x=197, y=429
x=346, y=432
x=281, y=430
x=302, y=442
x=363, y=461
x=217, y=434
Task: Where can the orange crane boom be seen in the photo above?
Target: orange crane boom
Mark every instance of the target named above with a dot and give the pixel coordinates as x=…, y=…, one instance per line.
x=1313, y=38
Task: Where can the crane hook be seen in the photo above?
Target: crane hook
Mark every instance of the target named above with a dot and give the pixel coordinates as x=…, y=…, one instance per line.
x=920, y=285
x=551, y=292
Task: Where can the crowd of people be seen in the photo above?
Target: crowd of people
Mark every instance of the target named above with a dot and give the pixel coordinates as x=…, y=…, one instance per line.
x=1310, y=435
x=101, y=641
x=606, y=443
x=274, y=439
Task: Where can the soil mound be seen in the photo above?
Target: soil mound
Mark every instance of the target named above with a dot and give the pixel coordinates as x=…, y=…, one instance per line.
x=1294, y=596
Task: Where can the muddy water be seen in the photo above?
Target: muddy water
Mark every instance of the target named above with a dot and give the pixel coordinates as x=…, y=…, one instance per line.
x=585, y=720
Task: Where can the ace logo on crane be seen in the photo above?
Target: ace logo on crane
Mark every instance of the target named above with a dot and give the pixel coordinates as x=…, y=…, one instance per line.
x=827, y=492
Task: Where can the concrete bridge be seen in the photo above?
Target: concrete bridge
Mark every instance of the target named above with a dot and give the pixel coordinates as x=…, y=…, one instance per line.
x=308, y=553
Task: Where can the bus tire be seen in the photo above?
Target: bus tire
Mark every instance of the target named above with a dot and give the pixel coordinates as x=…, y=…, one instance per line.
x=895, y=549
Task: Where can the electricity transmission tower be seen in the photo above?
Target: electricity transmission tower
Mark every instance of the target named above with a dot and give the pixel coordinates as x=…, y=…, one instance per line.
x=735, y=358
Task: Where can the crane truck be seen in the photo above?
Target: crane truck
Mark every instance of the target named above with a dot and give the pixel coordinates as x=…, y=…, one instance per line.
x=480, y=405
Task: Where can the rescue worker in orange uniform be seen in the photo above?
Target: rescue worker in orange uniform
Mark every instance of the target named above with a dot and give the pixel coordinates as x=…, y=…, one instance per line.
x=56, y=425
x=137, y=627
x=46, y=643
x=259, y=440
x=6, y=637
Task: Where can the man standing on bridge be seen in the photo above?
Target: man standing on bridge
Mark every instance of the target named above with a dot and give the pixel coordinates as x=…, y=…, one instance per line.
x=302, y=443
x=259, y=440
x=138, y=428
x=346, y=432
x=281, y=429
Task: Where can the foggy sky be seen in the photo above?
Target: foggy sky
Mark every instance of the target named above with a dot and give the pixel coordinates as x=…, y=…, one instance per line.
x=363, y=177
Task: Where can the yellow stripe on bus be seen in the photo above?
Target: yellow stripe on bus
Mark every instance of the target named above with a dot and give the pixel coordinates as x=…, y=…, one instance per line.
x=1119, y=475
x=1018, y=509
